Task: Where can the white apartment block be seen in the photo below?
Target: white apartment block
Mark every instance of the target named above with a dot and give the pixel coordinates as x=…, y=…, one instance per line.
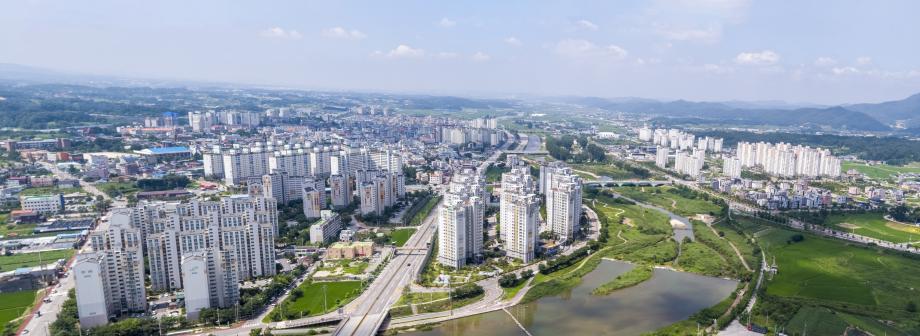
x=314, y=198
x=110, y=277
x=518, y=214
x=326, y=229
x=340, y=191
x=788, y=160
x=563, y=203
x=379, y=190
x=689, y=164
x=461, y=220
x=661, y=156
x=731, y=167
x=279, y=185
x=240, y=229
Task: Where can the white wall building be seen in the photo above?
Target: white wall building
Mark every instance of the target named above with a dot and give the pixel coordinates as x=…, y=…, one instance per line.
x=518, y=214
x=461, y=219
x=563, y=204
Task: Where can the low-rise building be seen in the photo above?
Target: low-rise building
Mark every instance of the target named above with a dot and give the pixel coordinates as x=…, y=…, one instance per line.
x=349, y=251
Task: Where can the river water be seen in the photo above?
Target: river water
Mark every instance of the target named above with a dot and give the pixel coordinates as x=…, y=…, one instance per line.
x=666, y=298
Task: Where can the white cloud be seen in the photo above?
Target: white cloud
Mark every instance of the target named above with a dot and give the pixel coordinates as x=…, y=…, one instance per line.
x=404, y=51
x=766, y=57
x=845, y=70
x=281, y=33
x=709, y=34
x=342, y=33
x=825, y=61
x=586, y=25
x=583, y=48
x=514, y=41
x=481, y=56
x=864, y=60
x=717, y=69
x=447, y=23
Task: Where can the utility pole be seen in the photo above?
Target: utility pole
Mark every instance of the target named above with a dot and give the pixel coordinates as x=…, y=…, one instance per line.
x=324, y=299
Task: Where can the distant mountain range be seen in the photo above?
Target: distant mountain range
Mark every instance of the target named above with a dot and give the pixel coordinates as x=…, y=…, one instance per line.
x=859, y=117
x=880, y=117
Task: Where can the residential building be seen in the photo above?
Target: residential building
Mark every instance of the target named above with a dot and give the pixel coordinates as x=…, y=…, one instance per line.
x=518, y=213
x=563, y=204
x=461, y=220
x=110, y=276
x=326, y=229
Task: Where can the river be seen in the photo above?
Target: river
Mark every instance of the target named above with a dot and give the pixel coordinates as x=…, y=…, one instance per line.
x=666, y=298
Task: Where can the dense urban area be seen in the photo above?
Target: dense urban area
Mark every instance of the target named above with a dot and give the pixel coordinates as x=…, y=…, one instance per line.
x=256, y=212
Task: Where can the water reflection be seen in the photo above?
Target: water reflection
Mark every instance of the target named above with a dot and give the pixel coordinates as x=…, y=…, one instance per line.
x=665, y=299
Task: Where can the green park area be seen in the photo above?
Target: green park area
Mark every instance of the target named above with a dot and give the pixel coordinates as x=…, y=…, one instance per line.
x=344, y=266
x=12, y=306
x=880, y=171
x=830, y=285
x=874, y=225
x=315, y=298
x=19, y=260
x=401, y=236
x=681, y=201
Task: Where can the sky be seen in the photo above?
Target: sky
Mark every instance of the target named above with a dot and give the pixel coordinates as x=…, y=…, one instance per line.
x=827, y=52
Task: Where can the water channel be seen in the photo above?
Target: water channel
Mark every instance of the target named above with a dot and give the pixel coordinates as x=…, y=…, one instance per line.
x=666, y=298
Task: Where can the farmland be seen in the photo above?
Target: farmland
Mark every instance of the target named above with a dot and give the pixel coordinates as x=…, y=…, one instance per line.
x=875, y=226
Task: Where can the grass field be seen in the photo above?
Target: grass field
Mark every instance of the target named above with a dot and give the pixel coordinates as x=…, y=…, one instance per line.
x=115, y=189
x=310, y=303
x=604, y=170
x=876, y=226
x=49, y=191
x=13, y=305
x=882, y=171
x=400, y=236
x=830, y=270
x=12, y=262
x=661, y=197
x=631, y=278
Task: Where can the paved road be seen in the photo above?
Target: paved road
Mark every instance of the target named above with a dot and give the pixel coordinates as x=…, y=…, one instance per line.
x=38, y=326
x=86, y=185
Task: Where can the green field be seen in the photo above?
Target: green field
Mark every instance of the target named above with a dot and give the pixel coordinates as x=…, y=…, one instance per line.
x=881, y=171
x=400, y=236
x=15, y=261
x=666, y=198
x=611, y=171
x=115, y=189
x=311, y=303
x=631, y=278
x=876, y=226
x=13, y=305
x=830, y=270
x=49, y=191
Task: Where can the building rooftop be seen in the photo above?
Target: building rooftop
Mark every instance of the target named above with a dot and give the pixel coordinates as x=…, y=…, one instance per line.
x=163, y=150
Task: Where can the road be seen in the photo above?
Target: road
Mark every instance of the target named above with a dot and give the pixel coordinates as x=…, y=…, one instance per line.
x=376, y=301
x=39, y=326
x=65, y=175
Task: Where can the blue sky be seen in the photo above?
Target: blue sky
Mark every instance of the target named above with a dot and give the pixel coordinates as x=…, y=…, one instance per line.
x=800, y=51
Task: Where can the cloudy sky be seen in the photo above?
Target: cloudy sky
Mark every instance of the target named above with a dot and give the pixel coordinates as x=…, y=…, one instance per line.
x=801, y=51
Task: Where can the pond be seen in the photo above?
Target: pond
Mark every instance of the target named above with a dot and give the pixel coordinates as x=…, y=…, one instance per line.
x=666, y=298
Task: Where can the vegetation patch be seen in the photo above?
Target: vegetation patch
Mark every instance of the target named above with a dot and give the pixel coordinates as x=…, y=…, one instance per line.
x=631, y=278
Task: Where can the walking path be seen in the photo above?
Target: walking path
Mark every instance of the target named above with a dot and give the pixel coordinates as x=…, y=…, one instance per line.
x=737, y=252
x=517, y=322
